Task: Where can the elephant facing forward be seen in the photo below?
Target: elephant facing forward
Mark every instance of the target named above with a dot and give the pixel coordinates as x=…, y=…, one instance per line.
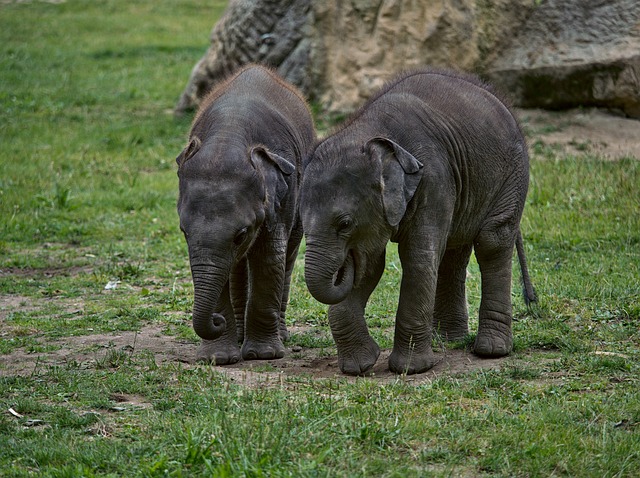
x=238, y=179
x=437, y=163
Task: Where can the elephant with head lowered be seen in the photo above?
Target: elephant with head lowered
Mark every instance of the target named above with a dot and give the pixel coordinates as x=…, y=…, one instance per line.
x=238, y=187
x=437, y=163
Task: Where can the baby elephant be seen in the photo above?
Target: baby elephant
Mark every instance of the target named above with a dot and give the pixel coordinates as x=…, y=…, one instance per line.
x=239, y=179
x=437, y=163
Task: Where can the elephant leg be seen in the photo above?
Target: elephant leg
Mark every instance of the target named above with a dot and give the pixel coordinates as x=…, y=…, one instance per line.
x=357, y=351
x=412, y=351
x=450, y=316
x=494, y=255
x=262, y=325
x=223, y=350
x=238, y=283
x=292, y=255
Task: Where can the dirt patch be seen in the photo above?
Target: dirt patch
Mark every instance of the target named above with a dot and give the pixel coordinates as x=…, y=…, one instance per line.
x=91, y=351
x=594, y=131
x=151, y=343
x=309, y=364
x=12, y=303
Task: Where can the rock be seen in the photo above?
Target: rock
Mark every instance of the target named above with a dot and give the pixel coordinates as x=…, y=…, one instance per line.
x=338, y=52
x=359, y=44
x=575, y=52
x=551, y=54
x=270, y=32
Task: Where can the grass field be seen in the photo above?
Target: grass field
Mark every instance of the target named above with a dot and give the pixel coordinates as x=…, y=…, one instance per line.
x=87, y=198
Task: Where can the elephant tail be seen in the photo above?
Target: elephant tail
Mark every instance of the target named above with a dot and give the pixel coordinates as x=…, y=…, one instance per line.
x=528, y=290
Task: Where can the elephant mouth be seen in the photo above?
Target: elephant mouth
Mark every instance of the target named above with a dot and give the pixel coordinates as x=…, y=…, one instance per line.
x=341, y=275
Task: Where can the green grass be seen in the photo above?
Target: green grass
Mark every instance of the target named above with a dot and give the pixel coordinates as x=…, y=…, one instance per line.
x=87, y=196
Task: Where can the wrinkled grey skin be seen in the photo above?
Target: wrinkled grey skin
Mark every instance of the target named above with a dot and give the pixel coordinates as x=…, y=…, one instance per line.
x=239, y=179
x=437, y=163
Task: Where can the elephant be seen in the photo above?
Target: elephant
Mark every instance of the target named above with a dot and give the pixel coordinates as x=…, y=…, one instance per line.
x=436, y=162
x=239, y=179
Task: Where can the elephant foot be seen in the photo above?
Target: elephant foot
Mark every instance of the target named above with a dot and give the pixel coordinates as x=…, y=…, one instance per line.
x=411, y=361
x=283, y=331
x=217, y=352
x=491, y=342
x=262, y=350
x=358, y=359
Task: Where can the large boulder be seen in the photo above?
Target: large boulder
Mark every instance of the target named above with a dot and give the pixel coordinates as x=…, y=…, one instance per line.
x=358, y=44
x=338, y=51
x=551, y=54
x=574, y=53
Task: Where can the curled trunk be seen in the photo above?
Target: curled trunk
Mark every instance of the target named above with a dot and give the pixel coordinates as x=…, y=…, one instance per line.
x=329, y=281
x=208, y=284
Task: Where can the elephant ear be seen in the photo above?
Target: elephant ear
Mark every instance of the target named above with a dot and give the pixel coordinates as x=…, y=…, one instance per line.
x=192, y=148
x=274, y=169
x=399, y=176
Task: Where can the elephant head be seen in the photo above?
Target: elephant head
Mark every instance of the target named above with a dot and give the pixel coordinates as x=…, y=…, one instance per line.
x=227, y=193
x=352, y=200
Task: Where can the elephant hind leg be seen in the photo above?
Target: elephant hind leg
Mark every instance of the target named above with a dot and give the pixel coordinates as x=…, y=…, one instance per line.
x=238, y=288
x=494, y=251
x=450, y=316
x=292, y=254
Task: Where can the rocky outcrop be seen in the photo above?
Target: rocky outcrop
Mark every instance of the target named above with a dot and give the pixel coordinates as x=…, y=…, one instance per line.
x=575, y=53
x=358, y=44
x=270, y=32
x=551, y=54
x=338, y=51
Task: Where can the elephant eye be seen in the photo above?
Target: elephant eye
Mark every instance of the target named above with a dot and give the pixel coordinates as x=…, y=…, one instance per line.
x=344, y=223
x=240, y=236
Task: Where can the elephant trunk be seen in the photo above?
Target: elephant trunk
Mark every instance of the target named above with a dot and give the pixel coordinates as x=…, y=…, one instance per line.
x=208, y=284
x=329, y=281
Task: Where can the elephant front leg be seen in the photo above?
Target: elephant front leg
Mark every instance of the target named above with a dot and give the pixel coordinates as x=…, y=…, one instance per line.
x=223, y=350
x=357, y=351
x=495, y=338
x=412, y=351
x=262, y=325
x=450, y=317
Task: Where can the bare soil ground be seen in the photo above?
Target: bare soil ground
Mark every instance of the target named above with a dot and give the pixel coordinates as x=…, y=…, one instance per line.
x=579, y=131
x=89, y=351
